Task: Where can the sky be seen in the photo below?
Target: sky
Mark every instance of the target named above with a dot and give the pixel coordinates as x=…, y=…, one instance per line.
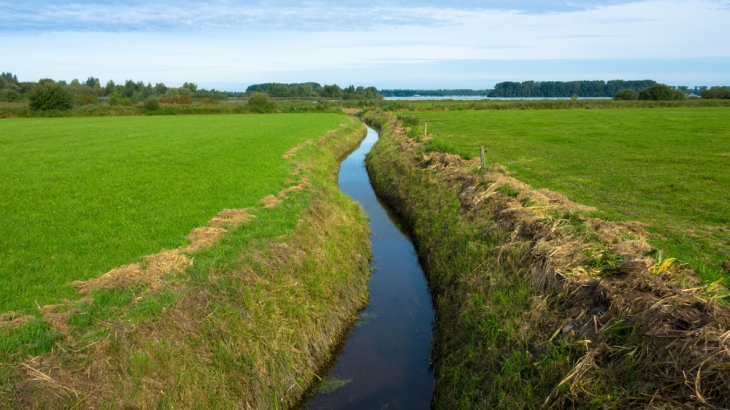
x=426, y=44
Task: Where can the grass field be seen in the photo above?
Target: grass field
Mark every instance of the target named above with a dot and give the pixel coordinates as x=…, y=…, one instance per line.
x=81, y=196
x=667, y=167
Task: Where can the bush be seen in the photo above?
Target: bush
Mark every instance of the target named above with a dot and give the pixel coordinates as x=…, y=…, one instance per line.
x=207, y=100
x=9, y=95
x=49, y=95
x=626, y=94
x=408, y=120
x=184, y=99
x=261, y=102
x=86, y=99
x=718, y=93
x=661, y=92
x=574, y=97
x=126, y=101
x=114, y=98
x=151, y=104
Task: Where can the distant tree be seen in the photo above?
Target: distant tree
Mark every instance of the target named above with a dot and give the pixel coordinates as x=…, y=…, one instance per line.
x=191, y=86
x=91, y=81
x=49, y=95
x=151, y=104
x=98, y=90
x=75, y=82
x=661, y=92
x=261, y=102
x=9, y=95
x=114, y=98
x=718, y=93
x=160, y=88
x=626, y=94
x=110, y=88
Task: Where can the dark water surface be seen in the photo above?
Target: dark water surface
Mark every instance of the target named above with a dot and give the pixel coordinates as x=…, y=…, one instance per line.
x=384, y=364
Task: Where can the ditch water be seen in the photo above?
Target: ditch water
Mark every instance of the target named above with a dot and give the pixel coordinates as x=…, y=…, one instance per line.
x=384, y=362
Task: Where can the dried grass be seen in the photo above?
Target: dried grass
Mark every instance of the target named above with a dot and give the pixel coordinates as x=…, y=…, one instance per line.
x=270, y=201
x=14, y=320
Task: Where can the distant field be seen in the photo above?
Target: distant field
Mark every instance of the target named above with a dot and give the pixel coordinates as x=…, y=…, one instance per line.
x=668, y=167
x=79, y=196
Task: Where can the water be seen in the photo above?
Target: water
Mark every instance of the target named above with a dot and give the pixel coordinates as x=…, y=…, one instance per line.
x=479, y=98
x=384, y=363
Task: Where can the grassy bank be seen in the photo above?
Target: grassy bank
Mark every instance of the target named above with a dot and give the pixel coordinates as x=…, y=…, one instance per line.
x=541, y=306
x=243, y=317
x=84, y=195
x=669, y=168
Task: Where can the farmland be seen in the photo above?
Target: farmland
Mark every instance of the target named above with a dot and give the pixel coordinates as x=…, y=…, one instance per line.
x=83, y=195
x=669, y=167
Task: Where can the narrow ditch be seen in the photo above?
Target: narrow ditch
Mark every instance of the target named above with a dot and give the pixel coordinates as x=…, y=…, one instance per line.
x=384, y=361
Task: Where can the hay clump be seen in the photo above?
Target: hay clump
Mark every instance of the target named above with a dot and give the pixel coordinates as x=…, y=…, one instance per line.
x=270, y=201
x=14, y=320
x=231, y=217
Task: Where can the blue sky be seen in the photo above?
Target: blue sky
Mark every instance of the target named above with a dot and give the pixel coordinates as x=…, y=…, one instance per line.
x=389, y=44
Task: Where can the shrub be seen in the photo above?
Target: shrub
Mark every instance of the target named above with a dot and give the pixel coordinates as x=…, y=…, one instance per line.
x=126, y=101
x=626, y=94
x=86, y=100
x=9, y=95
x=207, y=100
x=574, y=97
x=408, y=120
x=661, y=92
x=261, y=102
x=184, y=99
x=114, y=98
x=719, y=93
x=151, y=104
x=49, y=95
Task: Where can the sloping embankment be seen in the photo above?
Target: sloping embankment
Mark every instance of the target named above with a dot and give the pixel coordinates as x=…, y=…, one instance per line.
x=243, y=317
x=539, y=306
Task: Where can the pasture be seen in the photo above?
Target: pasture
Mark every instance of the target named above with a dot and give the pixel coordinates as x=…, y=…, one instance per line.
x=667, y=167
x=80, y=196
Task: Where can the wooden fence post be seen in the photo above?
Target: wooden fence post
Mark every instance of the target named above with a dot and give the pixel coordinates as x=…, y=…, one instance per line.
x=425, y=130
x=484, y=164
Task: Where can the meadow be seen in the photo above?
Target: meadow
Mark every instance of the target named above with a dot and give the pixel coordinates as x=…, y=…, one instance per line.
x=668, y=167
x=81, y=196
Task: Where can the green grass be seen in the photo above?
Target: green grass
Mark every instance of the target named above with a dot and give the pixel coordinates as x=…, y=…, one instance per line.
x=667, y=167
x=80, y=196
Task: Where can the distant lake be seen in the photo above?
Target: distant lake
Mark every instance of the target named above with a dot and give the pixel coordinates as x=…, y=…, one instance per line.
x=476, y=98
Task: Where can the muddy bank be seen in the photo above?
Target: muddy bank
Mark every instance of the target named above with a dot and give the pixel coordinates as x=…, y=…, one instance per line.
x=538, y=305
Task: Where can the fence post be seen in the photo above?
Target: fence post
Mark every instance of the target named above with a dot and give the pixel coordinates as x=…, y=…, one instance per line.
x=484, y=164
x=425, y=130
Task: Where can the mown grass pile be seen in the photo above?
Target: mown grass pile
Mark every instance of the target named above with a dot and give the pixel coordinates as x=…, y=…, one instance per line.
x=242, y=317
x=538, y=304
x=668, y=168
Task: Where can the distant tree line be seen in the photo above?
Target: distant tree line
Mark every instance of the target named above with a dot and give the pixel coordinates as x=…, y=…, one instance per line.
x=50, y=94
x=567, y=88
x=312, y=89
x=435, y=93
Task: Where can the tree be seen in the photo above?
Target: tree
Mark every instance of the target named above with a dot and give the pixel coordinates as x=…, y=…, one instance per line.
x=626, y=94
x=160, y=88
x=91, y=82
x=151, y=104
x=9, y=95
x=719, y=93
x=191, y=86
x=110, y=87
x=114, y=98
x=261, y=102
x=661, y=92
x=49, y=95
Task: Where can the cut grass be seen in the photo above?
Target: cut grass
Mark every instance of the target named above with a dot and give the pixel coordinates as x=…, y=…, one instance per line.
x=83, y=195
x=665, y=167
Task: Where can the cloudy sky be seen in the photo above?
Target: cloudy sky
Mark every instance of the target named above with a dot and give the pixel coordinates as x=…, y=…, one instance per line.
x=230, y=44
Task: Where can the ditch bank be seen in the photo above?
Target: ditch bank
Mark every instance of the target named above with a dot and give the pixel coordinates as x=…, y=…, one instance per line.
x=539, y=306
x=243, y=317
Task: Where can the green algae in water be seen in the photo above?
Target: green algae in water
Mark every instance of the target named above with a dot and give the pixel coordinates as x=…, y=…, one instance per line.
x=332, y=383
